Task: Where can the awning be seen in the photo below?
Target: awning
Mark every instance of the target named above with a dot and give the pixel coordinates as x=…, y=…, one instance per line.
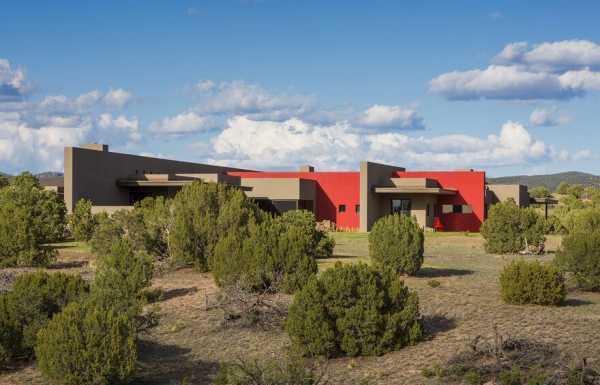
x=414, y=190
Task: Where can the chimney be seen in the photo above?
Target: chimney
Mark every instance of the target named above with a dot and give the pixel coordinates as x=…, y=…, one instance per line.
x=95, y=147
x=307, y=168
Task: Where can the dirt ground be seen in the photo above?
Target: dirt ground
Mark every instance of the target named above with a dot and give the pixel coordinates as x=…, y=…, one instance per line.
x=190, y=342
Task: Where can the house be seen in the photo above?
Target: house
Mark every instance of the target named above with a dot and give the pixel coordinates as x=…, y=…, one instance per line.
x=444, y=200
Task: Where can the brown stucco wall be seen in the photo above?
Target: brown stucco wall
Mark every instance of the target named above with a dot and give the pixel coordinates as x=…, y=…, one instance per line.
x=92, y=173
x=501, y=192
x=371, y=207
x=280, y=188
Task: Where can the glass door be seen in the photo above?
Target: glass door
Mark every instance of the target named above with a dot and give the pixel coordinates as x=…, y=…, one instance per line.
x=401, y=206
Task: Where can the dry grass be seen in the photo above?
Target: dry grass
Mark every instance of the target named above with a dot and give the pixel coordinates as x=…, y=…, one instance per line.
x=190, y=341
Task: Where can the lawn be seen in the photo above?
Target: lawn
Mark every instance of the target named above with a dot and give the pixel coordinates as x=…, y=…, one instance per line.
x=190, y=341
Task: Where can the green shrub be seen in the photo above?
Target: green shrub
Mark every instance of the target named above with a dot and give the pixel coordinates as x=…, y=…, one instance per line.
x=87, y=345
x=29, y=305
x=581, y=220
x=580, y=254
x=305, y=221
x=105, y=233
x=29, y=218
x=82, y=222
x=279, y=254
x=540, y=192
x=354, y=310
x=156, y=216
x=292, y=371
x=396, y=242
x=509, y=228
x=121, y=276
x=202, y=213
x=523, y=282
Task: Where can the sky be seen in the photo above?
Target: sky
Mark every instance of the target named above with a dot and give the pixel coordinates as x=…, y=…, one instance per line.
x=509, y=87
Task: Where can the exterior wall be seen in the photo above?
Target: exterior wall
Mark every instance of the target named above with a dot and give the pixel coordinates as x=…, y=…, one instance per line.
x=280, y=188
x=371, y=207
x=501, y=192
x=331, y=190
x=92, y=174
x=470, y=186
x=418, y=208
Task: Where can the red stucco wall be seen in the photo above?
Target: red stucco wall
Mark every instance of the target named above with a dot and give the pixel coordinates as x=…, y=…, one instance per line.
x=332, y=189
x=471, y=191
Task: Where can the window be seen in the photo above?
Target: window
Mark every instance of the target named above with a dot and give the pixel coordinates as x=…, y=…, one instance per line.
x=401, y=206
x=427, y=210
x=457, y=209
x=342, y=208
x=357, y=209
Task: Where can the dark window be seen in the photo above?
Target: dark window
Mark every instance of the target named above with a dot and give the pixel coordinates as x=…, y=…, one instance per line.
x=357, y=208
x=342, y=208
x=457, y=209
x=401, y=206
x=427, y=210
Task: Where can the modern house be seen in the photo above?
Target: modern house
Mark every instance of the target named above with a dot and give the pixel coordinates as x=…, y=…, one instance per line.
x=444, y=200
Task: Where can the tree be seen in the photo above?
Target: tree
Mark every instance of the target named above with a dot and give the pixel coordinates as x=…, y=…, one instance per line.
x=509, y=228
x=82, y=222
x=204, y=212
x=156, y=216
x=354, y=310
x=87, y=345
x=562, y=188
x=580, y=255
x=540, y=192
x=396, y=242
x=30, y=217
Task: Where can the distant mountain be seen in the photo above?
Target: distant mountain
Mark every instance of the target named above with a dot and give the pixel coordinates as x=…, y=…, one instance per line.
x=550, y=180
x=49, y=174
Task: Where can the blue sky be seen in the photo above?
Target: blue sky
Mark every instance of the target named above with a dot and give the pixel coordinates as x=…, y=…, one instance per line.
x=508, y=87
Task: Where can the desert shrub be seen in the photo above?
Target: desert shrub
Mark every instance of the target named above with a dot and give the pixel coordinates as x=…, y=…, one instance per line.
x=523, y=282
x=29, y=218
x=82, y=222
x=290, y=371
x=121, y=275
x=354, y=310
x=304, y=220
x=87, y=345
x=580, y=254
x=106, y=231
x=156, y=217
x=540, y=192
x=202, y=213
x=278, y=254
x=396, y=242
x=31, y=303
x=581, y=220
x=509, y=228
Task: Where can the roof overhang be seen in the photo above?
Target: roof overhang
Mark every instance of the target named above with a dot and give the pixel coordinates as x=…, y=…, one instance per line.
x=415, y=190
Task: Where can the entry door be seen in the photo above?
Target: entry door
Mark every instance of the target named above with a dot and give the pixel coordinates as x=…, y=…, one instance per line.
x=401, y=206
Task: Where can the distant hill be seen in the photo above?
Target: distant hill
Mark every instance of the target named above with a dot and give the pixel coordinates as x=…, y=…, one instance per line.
x=49, y=174
x=550, y=180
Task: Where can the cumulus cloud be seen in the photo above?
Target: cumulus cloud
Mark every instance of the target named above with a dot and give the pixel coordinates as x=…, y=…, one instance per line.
x=398, y=117
x=118, y=98
x=184, y=123
x=271, y=144
x=13, y=85
x=33, y=134
x=555, y=70
x=547, y=117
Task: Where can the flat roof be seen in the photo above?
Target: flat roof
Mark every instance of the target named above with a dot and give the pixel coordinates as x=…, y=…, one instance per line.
x=163, y=183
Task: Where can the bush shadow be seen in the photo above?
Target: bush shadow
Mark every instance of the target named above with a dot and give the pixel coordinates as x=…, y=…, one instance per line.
x=437, y=323
x=434, y=272
x=67, y=265
x=160, y=295
x=163, y=364
x=576, y=302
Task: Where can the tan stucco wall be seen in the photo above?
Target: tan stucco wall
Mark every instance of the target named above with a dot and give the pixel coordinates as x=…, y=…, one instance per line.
x=383, y=206
x=371, y=207
x=280, y=188
x=92, y=174
x=501, y=192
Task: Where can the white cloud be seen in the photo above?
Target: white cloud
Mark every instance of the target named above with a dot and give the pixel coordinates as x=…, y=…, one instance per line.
x=241, y=98
x=552, y=56
x=184, y=123
x=270, y=144
x=13, y=85
x=583, y=154
x=118, y=126
x=394, y=117
x=117, y=98
x=547, y=117
x=554, y=70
